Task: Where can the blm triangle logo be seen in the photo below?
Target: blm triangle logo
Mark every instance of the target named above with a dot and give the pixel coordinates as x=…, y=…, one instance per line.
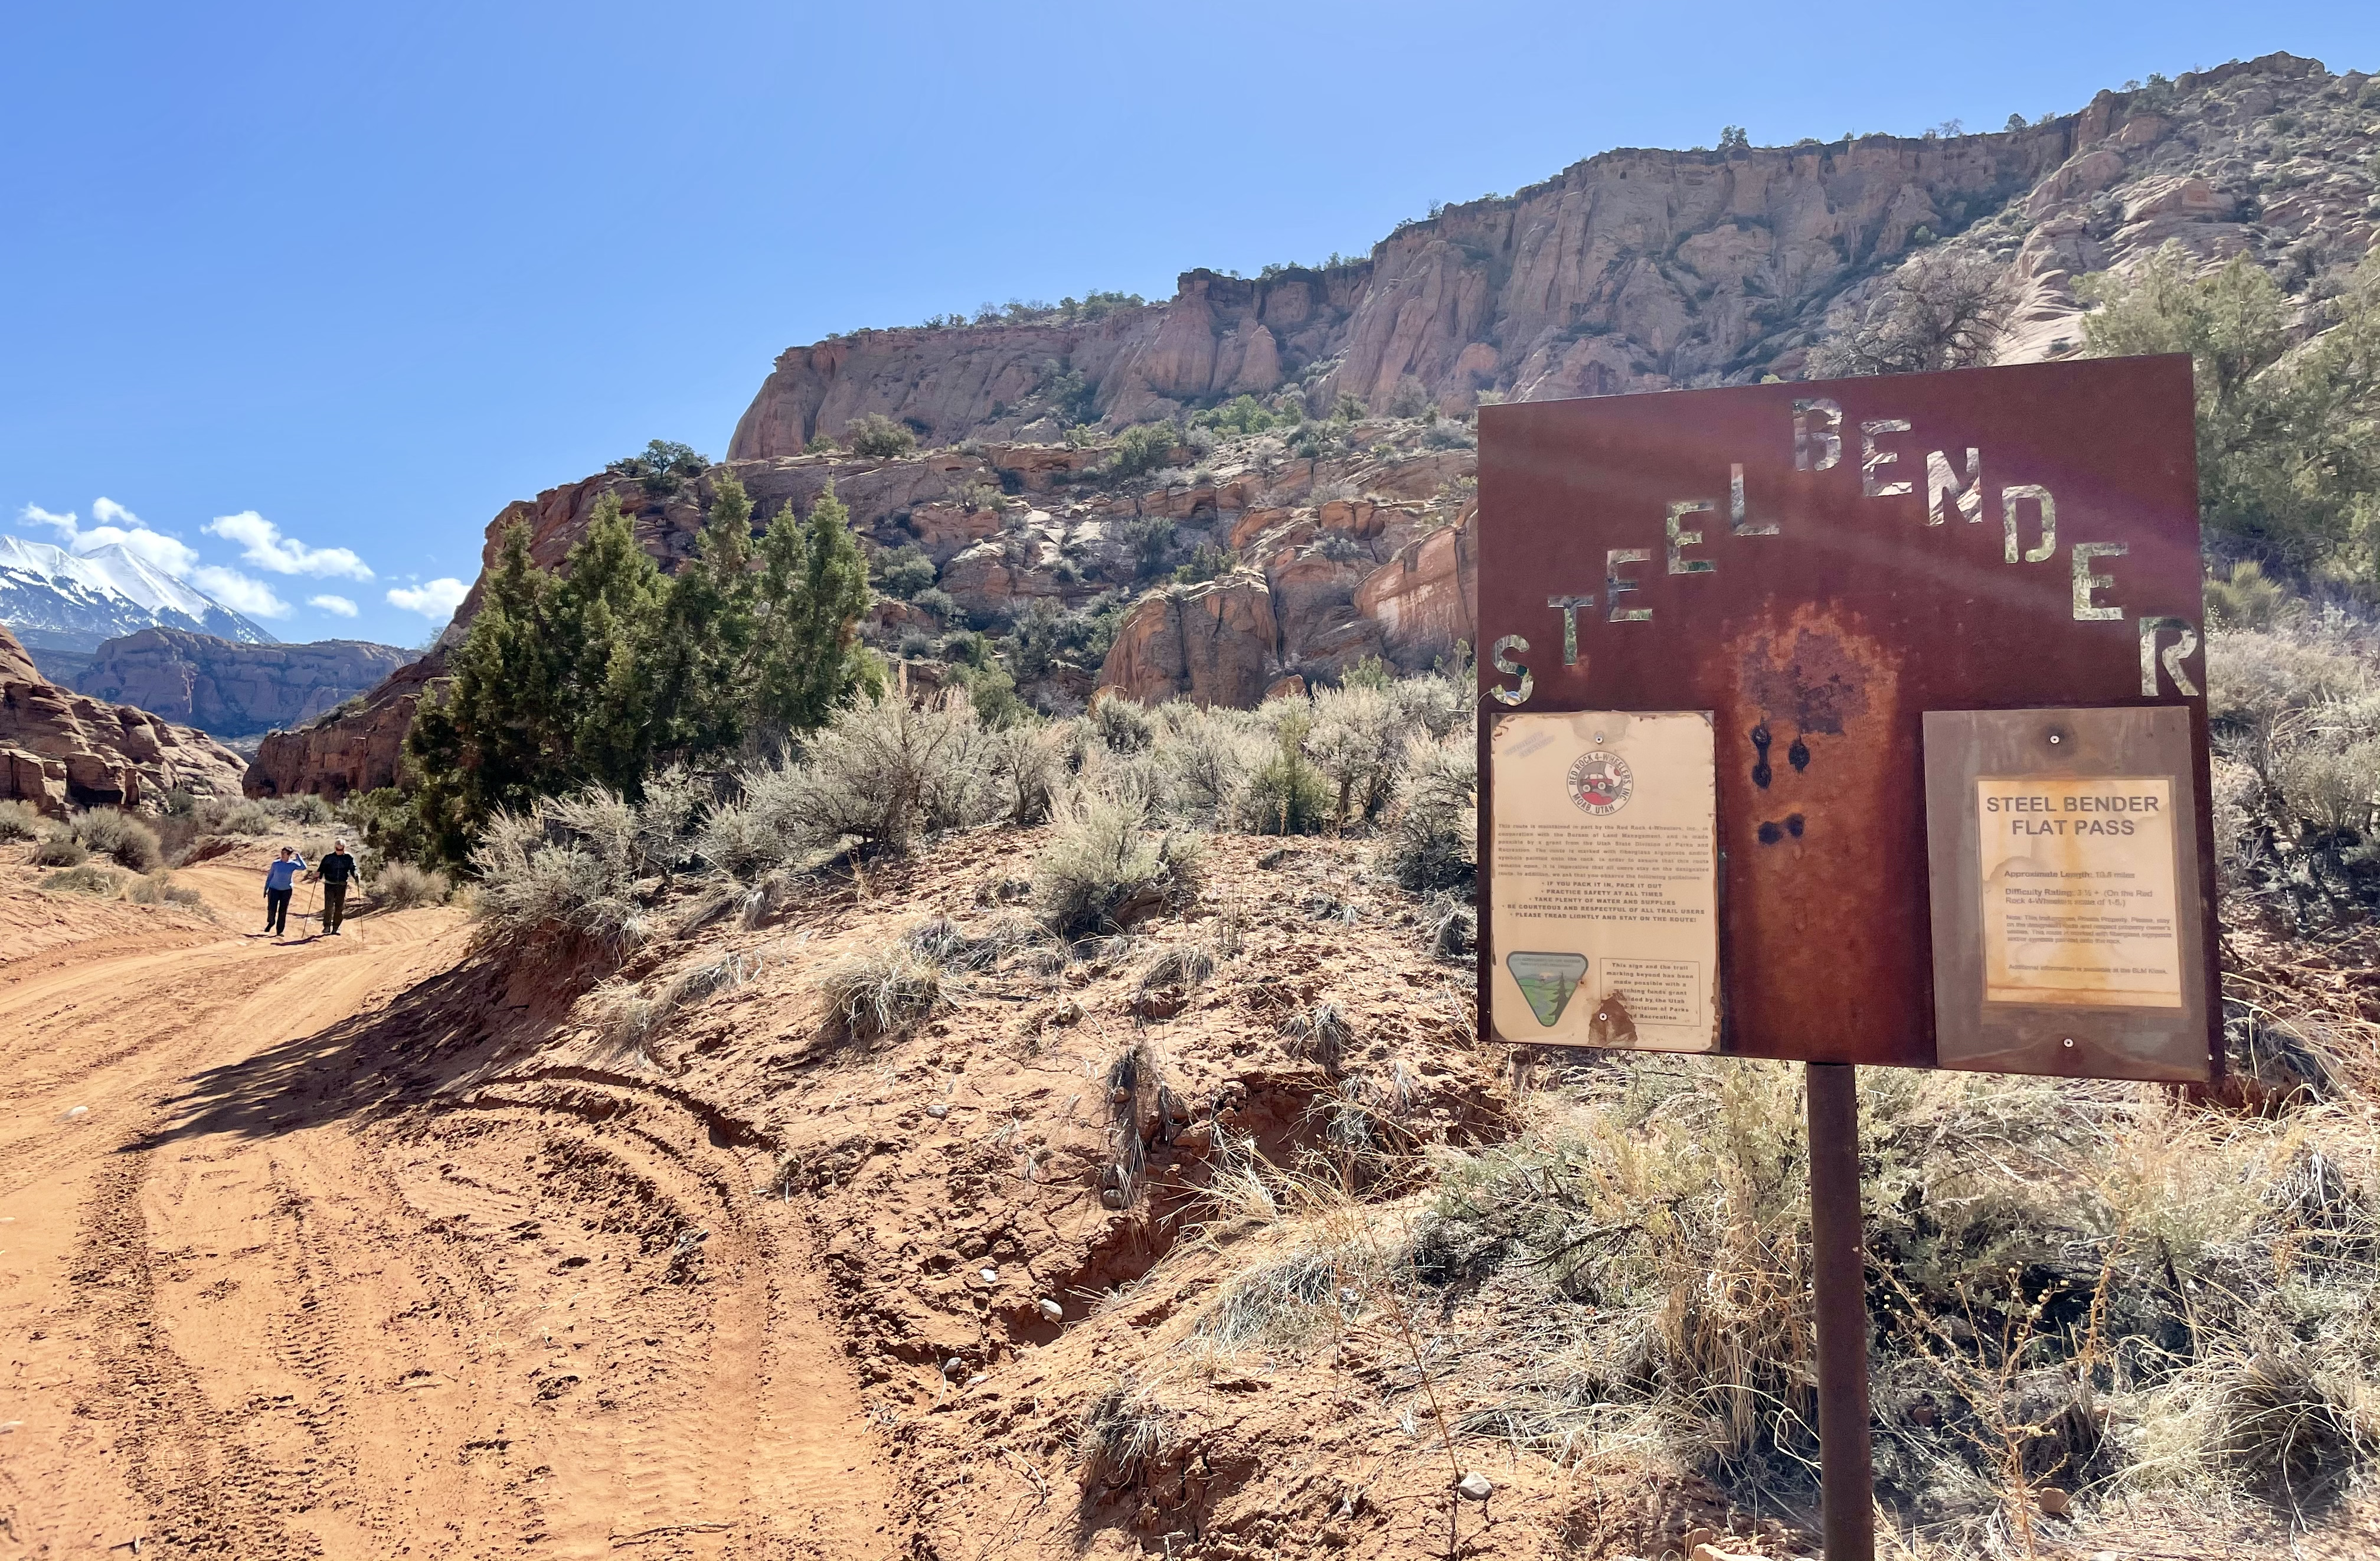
x=1547, y=981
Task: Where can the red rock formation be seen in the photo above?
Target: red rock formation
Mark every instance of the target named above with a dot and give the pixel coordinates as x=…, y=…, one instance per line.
x=1427, y=597
x=1210, y=643
x=60, y=749
x=358, y=751
x=1633, y=270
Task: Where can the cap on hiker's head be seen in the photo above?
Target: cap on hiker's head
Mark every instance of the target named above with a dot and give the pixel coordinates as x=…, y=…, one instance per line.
x=338, y=845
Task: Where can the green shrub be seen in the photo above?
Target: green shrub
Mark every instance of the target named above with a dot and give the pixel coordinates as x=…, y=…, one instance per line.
x=1242, y=415
x=1047, y=633
x=19, y=821
x=58, y=849
x=88, y=879
x=664, y=466
x=1286, y=795
x=1206, y=562
x=904, y=572
x=878, y=437
x=1102, y=871
x=103, y=832
x=1142, y=448
x=2287, y=462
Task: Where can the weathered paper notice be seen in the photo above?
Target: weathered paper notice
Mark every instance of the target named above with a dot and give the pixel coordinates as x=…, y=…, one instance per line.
x=1604, y=880
x=2078, y=876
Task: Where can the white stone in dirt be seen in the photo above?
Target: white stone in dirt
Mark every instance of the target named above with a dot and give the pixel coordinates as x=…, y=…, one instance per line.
x=954, y=1366
x=989, y=1276
x=938, y=1111
x=1474, y=1487
x=77, y=1114
x=1053, y=1311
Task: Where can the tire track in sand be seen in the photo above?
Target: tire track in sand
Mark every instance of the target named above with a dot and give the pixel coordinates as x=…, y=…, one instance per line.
x=262, y=1321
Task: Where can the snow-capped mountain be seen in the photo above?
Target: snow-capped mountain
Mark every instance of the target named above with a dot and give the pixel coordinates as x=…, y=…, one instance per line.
x=59, y=601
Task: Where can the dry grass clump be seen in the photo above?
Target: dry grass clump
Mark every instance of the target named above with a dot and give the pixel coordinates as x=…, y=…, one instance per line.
x=400, y=885
x=59, y=848
x=2295, y=714
x=1286, y=1302
x=19, y=821
x=1319, y=1030
x=1102, y=871
x=954, y=947
x=2073, y=1286
x=158, y=889
x=1124, y=1432
x=2295, y=1435
x=886, y=991
x=88, y=879
x=628, y=1014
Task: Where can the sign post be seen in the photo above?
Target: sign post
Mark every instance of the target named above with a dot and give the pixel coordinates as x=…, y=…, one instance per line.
x=1854, y=723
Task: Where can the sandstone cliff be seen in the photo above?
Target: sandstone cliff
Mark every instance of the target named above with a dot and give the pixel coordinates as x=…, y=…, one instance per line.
x=1633, y=270
x=231, y=690
x=60, y=749
x=1642, y=269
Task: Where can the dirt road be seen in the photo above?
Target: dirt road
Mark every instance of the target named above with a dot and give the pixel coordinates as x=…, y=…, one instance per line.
x=271, y=1285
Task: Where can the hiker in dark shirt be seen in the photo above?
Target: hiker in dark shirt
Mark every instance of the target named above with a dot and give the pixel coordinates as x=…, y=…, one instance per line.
x=336, y=870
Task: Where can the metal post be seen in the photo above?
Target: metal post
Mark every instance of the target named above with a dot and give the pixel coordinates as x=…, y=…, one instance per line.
x=1838, y=1274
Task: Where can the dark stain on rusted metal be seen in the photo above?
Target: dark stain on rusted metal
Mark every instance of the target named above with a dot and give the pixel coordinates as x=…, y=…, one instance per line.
x=1814, y=686
x=1761, y=774
x=1799, y=757
x=1826, y=960
x=1612, y=1026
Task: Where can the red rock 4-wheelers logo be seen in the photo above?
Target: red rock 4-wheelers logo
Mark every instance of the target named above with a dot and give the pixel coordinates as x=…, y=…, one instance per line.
x=1600, y=783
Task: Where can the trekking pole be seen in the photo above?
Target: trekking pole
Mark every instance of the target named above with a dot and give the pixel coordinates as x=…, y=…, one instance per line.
x=309, y=914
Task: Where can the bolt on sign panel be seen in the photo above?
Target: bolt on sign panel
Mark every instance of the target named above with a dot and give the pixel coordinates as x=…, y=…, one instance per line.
x=1817, y=566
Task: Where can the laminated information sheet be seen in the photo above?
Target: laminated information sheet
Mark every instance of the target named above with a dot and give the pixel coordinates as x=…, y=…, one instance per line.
x=1604, y=850
x=2078, y=879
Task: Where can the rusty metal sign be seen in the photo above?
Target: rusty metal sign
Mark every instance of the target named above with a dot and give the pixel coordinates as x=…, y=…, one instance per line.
x=1818, y=566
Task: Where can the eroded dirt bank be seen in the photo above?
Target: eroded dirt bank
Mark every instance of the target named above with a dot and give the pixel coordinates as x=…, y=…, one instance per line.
x=275, y=1281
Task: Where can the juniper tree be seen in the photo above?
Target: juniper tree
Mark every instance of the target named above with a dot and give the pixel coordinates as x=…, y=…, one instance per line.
x=596, y=675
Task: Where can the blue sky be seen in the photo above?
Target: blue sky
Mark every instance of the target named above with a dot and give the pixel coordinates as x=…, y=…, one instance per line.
x=312, y=291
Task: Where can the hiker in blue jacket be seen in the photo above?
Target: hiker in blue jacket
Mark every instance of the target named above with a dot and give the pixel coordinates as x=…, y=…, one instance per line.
x=280, y=879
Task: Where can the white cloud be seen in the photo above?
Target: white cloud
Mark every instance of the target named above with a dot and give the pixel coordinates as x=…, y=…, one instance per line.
x=241, y=593
x=118, y=525
x=338, y=604
x=262, y=544
x=432, y=599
